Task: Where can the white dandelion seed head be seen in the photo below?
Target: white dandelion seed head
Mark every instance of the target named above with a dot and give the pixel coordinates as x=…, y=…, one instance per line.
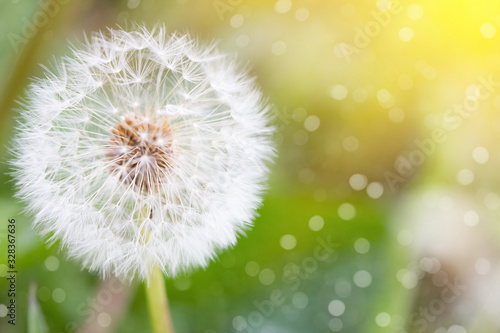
x=143, y=149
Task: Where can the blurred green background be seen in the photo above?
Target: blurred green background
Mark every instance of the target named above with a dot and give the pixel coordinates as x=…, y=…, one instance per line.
x=382, y=209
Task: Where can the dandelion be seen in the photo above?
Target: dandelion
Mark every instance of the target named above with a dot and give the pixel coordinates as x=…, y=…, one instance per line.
x=143, y=150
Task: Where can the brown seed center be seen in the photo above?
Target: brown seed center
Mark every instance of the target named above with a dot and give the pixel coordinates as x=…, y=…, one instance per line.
x=141, y=151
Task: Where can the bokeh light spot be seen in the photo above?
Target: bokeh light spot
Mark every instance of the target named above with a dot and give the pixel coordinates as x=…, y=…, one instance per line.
x=237, y=20
x=430, y=265
x=351, y=143
x=288, y=242
x=482, y=266
x=375, y=190
x=252, y=268
x=104, y=319
x=465, y=177
x=346, y=211
x=406, y=34
x=383, y=319
x=336, y=307
x=407, y=278
x=492, y=201
x=415, y=11
x=362, y=245
x=343, y=288
x=316, y=223
x=471, y=218
x=300, y=300
x=338, y=92
x=384, y=5
x=383, y=95
x=456, y=329
x=362, y=279
x=282, y=6
x=132, y=4
x=302, y=14
x=51, y=263
x=279, y=48
x=239, y=323
x=358, y=182
x=472, y=92
x=311, y=123
x=488, y=30
x=429, y=73
x=335, y=324
x=300, y=137
x=266, y=276
x=480, y=155
x=58, y=295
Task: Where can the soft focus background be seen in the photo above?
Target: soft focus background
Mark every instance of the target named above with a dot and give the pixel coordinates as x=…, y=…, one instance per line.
x=383, y=209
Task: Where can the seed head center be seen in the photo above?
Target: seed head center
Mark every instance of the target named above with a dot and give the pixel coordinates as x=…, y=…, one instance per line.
x=141, y=151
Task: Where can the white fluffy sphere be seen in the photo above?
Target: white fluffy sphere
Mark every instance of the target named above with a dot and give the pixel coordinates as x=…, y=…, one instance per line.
x=143, y=149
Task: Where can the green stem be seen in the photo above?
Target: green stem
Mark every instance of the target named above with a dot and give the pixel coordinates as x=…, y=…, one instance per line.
x=159, y=312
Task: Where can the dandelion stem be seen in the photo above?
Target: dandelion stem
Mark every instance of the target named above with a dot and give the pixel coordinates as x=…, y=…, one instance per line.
x=159, y=312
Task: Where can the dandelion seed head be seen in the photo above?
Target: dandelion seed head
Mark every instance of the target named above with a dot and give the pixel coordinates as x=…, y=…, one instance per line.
x=143, y=148
x=140, y=151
